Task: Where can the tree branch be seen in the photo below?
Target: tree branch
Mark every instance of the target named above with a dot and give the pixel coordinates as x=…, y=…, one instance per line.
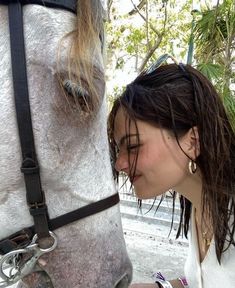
x=150, y=53
x=156, y=45
x=139, y=6
x=144, y=18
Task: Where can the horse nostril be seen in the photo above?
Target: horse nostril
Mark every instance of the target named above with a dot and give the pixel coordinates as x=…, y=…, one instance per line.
x=123, y=282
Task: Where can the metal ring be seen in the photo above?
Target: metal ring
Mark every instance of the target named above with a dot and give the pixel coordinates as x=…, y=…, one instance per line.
x=35, y=238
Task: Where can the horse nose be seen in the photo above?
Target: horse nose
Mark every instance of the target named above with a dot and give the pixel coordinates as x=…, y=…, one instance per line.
x=123, y=282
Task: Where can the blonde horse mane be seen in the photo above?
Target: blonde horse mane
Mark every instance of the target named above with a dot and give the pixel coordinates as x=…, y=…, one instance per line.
x=85, y=57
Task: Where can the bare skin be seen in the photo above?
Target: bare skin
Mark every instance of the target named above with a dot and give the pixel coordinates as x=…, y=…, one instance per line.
x=159, y=156
x=174, y=283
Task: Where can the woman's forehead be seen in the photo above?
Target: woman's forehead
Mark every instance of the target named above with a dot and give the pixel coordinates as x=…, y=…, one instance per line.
x=123, y=125
x=127, y=128
x=123, y=121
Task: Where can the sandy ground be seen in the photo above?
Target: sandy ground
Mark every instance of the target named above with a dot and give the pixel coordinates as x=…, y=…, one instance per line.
x=150, y=250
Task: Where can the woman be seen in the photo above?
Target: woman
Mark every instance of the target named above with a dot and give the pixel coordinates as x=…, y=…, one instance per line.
x=169, y=130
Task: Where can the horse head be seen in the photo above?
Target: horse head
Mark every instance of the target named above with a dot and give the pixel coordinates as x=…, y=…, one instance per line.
x=66, y=85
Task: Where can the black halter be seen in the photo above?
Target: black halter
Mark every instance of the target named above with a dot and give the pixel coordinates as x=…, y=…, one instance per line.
x=30, y=167
x=70, y=5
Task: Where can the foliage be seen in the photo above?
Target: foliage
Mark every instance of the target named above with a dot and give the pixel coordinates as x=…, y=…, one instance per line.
x=146, y=33
x=151, y=28
x=215, y=43
x=210, y=70
x=117, y=91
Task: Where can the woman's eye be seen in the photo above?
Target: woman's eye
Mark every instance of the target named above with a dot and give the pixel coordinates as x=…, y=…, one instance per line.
x=133, y=147
x=117, y=150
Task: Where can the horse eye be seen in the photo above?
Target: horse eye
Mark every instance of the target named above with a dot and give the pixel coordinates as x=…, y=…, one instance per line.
x=75, y=89
x=79, y=94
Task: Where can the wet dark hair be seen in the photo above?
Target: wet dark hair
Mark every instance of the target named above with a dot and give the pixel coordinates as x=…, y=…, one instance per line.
x=177, y=98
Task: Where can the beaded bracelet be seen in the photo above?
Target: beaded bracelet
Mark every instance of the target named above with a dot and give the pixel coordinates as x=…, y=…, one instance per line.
x=183, y=281
x=160, y=279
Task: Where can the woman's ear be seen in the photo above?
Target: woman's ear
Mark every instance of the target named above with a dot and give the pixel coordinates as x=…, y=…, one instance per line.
x=192, y=142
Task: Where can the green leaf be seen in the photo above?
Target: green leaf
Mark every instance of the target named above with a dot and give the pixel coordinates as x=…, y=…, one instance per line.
x=229, y=103
x=212, y=71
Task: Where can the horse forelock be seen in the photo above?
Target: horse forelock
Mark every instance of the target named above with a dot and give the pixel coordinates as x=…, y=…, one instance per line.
x=78, y=50
x=85, y=59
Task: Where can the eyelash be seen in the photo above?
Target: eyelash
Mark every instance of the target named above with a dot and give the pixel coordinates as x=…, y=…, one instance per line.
x=129, y=148
x=117, y=150
x=132, y=147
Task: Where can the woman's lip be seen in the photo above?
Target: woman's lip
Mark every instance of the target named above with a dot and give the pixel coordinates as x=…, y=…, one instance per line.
x=135, y=178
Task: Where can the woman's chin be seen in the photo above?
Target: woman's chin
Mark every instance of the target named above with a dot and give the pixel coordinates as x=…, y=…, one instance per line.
x=144, y=193
x=141, y=194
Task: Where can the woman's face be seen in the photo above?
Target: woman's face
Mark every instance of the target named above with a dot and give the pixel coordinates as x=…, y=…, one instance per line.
x=161, y=165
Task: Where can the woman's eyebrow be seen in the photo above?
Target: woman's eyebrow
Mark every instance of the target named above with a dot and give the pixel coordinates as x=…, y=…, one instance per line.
x=124, y=138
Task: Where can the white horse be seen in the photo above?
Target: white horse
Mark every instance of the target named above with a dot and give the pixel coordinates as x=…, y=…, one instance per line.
x=71, y=144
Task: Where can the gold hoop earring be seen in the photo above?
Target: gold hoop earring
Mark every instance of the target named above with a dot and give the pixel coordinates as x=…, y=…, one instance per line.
x=192, y=167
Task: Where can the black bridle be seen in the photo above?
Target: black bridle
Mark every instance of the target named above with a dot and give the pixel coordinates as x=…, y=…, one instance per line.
x=30, y=167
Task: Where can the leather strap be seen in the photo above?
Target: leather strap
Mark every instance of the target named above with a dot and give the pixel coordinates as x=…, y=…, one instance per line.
x=30, y=167
x=22, y=238
x=69, y=5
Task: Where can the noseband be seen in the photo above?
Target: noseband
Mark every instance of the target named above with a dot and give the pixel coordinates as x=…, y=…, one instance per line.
x=22, y=241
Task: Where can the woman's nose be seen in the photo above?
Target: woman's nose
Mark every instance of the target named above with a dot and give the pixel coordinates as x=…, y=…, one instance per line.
x=121, y=162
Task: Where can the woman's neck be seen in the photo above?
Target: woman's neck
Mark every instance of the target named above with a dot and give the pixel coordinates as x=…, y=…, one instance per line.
x=191, y=188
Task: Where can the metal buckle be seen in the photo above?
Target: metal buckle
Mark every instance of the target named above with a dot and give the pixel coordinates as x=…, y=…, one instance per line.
x=36, y=205
x=15, y=269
